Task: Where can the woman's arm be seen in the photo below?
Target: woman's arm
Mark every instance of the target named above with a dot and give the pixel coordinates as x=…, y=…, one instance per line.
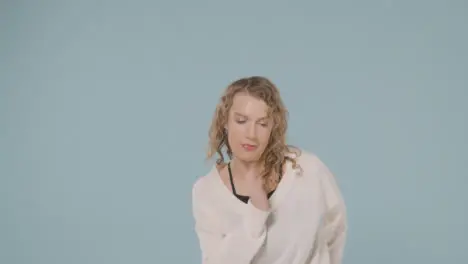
x=238, y=247
x=336, y=216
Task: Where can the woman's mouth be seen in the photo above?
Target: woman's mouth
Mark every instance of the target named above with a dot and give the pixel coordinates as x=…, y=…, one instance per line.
x=249, y=147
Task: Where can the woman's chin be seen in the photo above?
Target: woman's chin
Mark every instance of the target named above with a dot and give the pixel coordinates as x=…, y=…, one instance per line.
x=248, y=156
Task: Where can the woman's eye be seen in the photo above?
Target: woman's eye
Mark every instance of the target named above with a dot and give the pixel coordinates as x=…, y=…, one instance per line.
x=263, y=124
x=240, y=121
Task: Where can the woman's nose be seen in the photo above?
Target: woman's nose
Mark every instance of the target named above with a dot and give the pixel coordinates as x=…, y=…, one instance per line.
x=251, y=131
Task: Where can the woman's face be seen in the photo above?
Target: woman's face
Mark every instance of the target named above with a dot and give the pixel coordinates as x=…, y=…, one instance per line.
x=248, y=127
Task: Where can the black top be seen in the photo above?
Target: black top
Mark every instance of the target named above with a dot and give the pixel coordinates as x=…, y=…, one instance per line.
x=243, y=198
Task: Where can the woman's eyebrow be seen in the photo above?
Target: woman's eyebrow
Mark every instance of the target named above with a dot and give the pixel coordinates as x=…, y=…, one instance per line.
x=241, y=115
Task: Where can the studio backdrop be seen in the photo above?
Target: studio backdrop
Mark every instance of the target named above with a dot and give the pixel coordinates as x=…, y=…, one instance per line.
x=105, y=108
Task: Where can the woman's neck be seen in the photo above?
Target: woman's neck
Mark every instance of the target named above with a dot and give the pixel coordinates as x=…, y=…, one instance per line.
x=242, y=167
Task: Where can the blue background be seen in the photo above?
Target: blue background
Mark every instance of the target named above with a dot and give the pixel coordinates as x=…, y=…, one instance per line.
x=105, y=108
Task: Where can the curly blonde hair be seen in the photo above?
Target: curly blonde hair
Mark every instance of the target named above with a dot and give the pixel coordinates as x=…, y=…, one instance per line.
x=276, y=151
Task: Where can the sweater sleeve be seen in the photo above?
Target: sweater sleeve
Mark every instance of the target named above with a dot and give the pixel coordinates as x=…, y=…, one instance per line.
x=336, y=224
x=238, y=247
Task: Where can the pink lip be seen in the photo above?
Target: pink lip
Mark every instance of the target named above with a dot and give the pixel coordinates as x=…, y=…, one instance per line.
x=249, y=147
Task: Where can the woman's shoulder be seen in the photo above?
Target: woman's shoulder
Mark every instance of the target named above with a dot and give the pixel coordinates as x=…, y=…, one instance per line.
x=204, y=184
x=304, y=156
x=308, y=161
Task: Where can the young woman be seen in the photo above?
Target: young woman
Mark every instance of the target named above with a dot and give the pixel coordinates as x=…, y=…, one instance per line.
x=264, y=201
